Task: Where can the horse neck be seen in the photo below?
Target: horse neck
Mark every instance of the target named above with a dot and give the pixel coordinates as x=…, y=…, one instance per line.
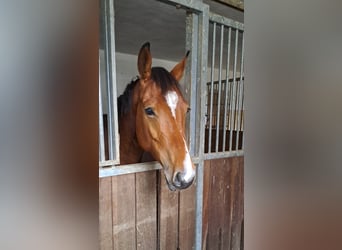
x=130, y=150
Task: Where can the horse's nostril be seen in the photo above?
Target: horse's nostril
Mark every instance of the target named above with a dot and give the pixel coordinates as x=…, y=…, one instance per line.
x=180, y=182
x=178, y=179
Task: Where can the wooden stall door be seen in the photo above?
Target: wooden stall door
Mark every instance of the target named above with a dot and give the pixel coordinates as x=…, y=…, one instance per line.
x=223, y=204
x=137, y=211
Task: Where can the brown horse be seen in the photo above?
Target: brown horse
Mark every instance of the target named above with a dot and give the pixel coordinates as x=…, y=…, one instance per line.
x=152, y=112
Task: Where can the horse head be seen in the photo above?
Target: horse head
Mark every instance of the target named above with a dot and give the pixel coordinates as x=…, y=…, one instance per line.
x=160, y=119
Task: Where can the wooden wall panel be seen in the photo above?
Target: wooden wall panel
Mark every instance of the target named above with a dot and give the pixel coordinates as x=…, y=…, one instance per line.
x=242, y=203
x=205, y=211
x=219, y=202
x=168, y=216
x=138, y=211
x=187, y=206
x=223, y=203
x=123, y=202
x=105, y=214
x=237, y=202
x=146, y=210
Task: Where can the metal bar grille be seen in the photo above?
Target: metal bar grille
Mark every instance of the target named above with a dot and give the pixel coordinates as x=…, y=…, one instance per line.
x=224, y=111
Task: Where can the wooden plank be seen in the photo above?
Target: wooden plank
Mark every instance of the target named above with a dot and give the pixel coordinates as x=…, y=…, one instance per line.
x=187, y=214
x=229, y=197
x=167, y=216
x=242, y=197
x=205, y=211
x=236, y=204
x=219, y=202
x=124, y=234
x=146, y=210
x=232, y=219
x=237, y=214
x=233, y=206
x=105, y=213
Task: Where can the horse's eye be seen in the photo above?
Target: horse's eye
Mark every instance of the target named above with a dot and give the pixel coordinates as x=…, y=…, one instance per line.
x=149, y=111
x=188, y=110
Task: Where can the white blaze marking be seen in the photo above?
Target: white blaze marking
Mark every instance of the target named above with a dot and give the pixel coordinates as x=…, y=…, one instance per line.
x=172, y=100
x=189, y=171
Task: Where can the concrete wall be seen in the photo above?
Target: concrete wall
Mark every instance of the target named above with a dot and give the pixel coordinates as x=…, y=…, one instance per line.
x=126, y=70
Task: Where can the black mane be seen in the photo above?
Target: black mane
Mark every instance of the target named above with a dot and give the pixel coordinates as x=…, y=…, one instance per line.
x=159, y=75
x=124, y=100
x=164, y=79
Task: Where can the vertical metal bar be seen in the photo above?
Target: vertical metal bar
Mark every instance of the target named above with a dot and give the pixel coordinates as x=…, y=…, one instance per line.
x=207, y=107
x=226, y=91
x=243, y=103
x=239, y=117
x=203, y=31
x=212, y=87
x=113, y=134
x=108, y=78
x=101, y=132
x=243, y=114
x=191, y=43
x=202, y=11
x=219, y=91
x=236, y=109
x=114, y=89
x=236, y=113
x=233, y=109
x=199, y=205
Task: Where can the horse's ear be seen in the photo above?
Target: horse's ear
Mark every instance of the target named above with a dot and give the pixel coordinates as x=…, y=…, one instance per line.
x=145, y=62
x=178, y=71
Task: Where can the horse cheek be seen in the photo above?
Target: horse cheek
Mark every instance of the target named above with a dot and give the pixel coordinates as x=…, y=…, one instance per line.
x=154, y=133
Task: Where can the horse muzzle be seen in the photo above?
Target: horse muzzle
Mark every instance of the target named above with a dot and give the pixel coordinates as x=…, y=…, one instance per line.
x=180, y=181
